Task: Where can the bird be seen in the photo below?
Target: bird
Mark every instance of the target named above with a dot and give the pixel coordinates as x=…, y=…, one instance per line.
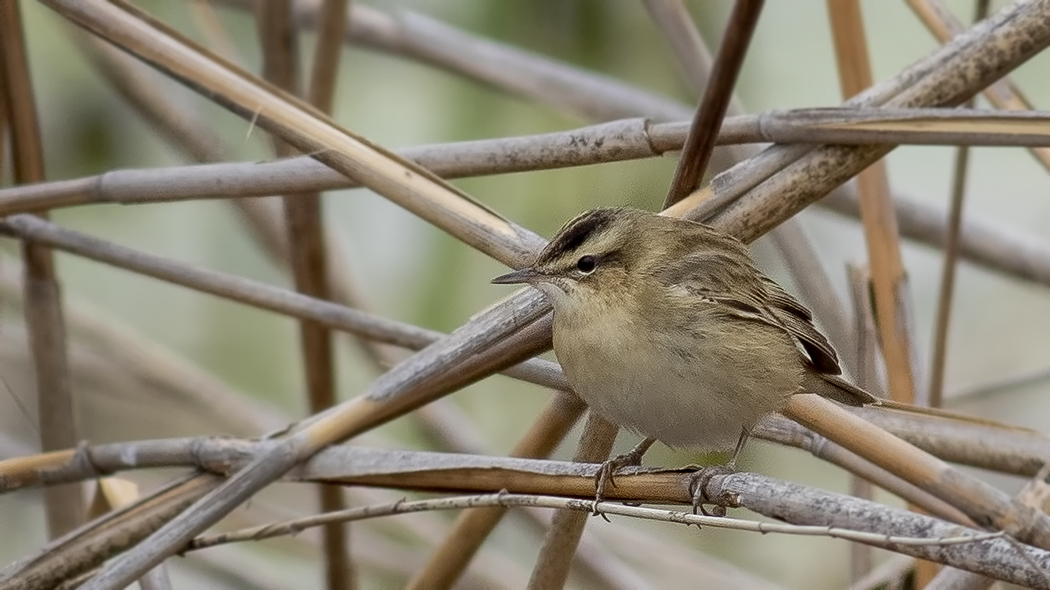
x=667, y=328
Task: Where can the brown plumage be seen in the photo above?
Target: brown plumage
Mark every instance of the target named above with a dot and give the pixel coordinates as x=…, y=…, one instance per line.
x=666, y=327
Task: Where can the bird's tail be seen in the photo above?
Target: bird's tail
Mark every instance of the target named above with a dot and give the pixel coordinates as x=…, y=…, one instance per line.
x=838, y=389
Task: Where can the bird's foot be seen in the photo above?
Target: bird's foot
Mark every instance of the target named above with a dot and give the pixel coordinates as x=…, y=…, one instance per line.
x=606, y=473
x=702, y=497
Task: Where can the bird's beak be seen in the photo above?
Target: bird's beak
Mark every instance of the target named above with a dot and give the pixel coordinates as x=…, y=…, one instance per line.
x=525, y=275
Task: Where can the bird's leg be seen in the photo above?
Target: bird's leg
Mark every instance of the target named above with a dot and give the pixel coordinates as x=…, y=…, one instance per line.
x=699, y=480
x=740, y=442
x=605, y=474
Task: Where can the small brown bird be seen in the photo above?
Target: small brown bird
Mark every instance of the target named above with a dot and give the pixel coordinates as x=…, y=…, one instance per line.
x=666, y=327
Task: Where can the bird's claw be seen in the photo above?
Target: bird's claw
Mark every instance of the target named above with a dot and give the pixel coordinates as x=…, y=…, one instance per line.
x=606, y=475
x=698, y=483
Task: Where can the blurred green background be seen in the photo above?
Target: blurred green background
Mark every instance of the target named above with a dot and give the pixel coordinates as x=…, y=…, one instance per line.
x=415, y=273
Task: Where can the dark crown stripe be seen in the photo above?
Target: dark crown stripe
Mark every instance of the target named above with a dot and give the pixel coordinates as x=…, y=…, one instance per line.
x=576, y=232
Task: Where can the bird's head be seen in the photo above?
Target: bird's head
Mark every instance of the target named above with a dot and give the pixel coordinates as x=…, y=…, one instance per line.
x=591, y=256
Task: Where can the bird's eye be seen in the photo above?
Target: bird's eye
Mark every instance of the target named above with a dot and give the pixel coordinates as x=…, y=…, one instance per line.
x=586, y=264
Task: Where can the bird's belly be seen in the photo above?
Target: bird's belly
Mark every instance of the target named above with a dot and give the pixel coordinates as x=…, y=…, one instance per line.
x=702, y=403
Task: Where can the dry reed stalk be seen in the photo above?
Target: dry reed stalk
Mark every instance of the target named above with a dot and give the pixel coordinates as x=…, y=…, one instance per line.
x=111, y=493
x=42, y=302
x=306, y=238
x=614, y=141
x=720, y=80
x=552, y=564
x=459, y=473
x=261, y=295
x=1003, y=94
x=263, y=217
x=866, y=374
x=892, y=305
x=951, y=437
x=135, y=354
x=790, y=433
x=138, y=85
x=447, y=563
x=960, y=439
x=889, y=285
x=951, y=256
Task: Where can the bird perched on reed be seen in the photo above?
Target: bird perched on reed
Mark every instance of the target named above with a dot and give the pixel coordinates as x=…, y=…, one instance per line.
x=665, y=327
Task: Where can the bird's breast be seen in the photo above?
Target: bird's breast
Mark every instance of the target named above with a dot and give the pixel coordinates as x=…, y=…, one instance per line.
x=682, y=389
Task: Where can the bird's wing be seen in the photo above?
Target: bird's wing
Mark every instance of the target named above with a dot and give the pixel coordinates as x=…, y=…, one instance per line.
x=733, y=281
x=798, y=321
